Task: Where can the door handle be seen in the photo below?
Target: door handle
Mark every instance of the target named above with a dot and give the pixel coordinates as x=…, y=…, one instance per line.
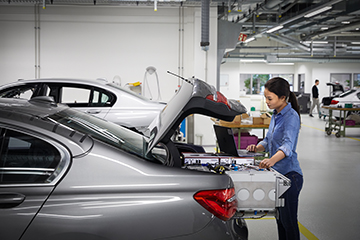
x=9, y=200
x=93, y=111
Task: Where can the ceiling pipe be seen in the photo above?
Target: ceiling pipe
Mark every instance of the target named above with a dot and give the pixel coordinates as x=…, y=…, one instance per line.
x=297, y=59
x=325, y=33
x=289, y=41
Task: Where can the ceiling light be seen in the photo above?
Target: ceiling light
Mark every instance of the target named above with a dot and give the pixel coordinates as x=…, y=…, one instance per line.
x=315, y=42
x=249, y=40
x=279, y=63
x=252, y=60
x=324, y=28
x=316, y=12
x=355, y=42
x=274, y=29
x=345, y=22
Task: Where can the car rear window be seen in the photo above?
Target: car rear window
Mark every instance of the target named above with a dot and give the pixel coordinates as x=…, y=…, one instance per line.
x=347, y=93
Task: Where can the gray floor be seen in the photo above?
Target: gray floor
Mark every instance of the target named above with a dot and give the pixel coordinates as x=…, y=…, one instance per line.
x=329, y=201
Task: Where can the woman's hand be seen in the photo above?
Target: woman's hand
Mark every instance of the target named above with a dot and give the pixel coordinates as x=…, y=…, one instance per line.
x=251, y=148
x=267, y=163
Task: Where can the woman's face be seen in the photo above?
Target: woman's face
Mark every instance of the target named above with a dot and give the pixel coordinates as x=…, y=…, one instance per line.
x=273, y=101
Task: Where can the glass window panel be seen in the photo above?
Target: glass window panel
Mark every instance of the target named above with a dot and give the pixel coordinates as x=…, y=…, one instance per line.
x=356, y=82
x=75, y=95
x=341, y=78
x=255, y=83
x=26, y=159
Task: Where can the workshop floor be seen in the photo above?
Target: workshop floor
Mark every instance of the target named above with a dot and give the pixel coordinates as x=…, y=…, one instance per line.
x=330, y=198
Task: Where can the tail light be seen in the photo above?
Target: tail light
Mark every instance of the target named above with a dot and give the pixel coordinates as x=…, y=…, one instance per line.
x=334, y=102
x=219, y=98
x=221, y=203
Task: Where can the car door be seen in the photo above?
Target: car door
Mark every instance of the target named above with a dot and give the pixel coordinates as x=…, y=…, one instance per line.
x=89, y=99
x=29, y=170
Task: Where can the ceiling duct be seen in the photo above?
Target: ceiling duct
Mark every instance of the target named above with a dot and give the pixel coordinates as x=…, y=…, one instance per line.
x=205, y=23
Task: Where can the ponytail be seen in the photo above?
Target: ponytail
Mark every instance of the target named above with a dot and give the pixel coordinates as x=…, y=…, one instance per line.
x=294, y=103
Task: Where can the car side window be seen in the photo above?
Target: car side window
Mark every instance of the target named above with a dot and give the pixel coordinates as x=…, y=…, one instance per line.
x=78, y=95
x=26, y=159
x=25, y=91
x=101, y=99
x=75, y=95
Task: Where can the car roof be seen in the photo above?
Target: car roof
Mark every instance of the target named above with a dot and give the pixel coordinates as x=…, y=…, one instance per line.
x=102, y=83
x=31, y=114
x=37, y=107
x=99, y=81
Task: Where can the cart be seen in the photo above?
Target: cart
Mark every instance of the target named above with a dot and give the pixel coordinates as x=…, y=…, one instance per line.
x=338, y=126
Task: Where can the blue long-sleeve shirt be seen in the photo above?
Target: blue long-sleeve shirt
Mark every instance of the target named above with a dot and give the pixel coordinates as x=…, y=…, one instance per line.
x=283, y=135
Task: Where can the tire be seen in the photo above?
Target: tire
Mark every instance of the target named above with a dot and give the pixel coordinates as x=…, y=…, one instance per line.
x=337, y=134
x=328, y=132
x=239, y=228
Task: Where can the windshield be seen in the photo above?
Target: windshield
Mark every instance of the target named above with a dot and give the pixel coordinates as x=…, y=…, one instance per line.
x=102, y=130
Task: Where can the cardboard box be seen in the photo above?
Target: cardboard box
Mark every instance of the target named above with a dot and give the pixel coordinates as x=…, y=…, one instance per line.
x=267, y=121
x=258, y=120
x=266, y=118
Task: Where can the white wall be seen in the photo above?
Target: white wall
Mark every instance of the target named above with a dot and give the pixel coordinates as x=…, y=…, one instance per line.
x=99, y=41
x=102, y=42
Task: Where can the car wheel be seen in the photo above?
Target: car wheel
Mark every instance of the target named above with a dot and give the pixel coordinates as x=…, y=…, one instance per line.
x=240, y=229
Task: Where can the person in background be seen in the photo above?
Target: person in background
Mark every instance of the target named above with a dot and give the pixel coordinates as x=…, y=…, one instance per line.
x=281, y=141
x=315, y=99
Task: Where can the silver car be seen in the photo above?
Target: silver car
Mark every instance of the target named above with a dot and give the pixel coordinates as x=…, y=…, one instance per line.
x=97, y=97
x=65, y=174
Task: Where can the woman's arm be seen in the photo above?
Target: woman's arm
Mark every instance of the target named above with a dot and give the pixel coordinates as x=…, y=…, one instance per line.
x=269, y=162
x=254, y=148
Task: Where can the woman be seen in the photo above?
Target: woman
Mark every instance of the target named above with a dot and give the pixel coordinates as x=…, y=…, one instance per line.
x=280, y=141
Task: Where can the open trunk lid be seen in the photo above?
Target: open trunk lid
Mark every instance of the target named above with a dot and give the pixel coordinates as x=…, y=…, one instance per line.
x=194, y=96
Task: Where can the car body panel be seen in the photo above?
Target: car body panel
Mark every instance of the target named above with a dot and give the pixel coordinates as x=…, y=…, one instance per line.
x=14, y=220
x=95, y=198
x=105, y=100
x=104, y=192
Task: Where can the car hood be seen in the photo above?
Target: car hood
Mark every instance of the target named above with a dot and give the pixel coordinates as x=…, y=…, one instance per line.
x=194, y=96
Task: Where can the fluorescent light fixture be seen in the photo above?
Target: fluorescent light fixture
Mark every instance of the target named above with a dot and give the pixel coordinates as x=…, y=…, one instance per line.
x=345, y=22
x=315, y=42
x=274, y=29
x=289, y=63
x=316, y=12
x=324, y=28
x=249, y=39
x=252, y=60
x=355, y=42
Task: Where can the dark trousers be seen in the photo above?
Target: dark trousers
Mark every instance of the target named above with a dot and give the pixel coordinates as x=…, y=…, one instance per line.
x=287, y=220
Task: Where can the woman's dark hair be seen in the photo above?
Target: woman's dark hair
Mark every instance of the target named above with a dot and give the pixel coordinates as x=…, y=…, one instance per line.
x=281, y=87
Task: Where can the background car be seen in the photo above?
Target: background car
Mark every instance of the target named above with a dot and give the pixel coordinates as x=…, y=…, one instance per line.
x=65, y=174
x=351, y=96
x=100, y=98
x=335, y=89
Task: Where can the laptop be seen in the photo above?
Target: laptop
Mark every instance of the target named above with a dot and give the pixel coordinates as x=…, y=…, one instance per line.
x=227, y=145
